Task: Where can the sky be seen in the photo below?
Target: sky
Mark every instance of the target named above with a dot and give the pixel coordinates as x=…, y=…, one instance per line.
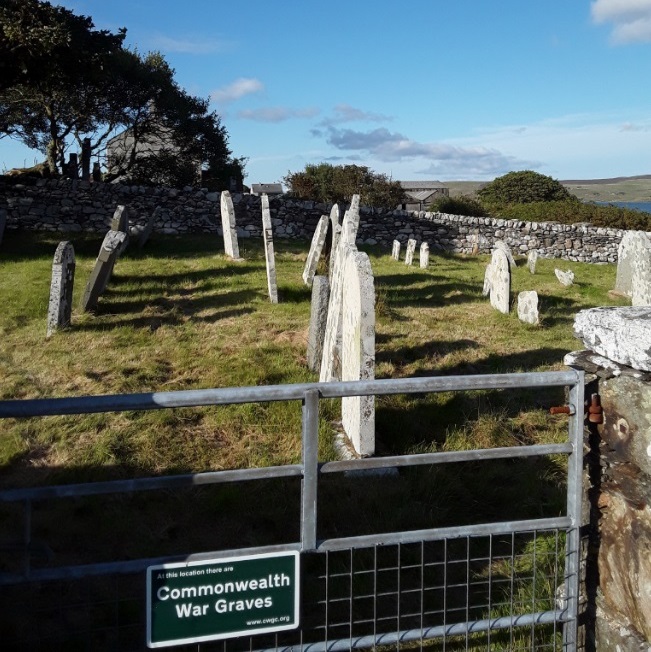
x=417, y=90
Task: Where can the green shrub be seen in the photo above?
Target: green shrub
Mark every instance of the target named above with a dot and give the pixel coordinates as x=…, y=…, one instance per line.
x=458, y=206
x=523, y=187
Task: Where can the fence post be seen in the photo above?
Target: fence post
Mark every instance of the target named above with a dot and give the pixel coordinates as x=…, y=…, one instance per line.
x=310, y=469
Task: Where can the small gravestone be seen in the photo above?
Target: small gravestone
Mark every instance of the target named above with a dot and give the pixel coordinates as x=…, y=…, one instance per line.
x=499, y=244
x=270, y=258
x=229, y=227
x=424, y=255
x=63, y=278
x=120, y=222
x=358, y=351
x=500, y=281
x=474, y=243
x=631, y=246
x=99, y=278
x=409, y=252
x=532, y=259
x=395, y=251
x=145, y=234
x=487, y=281
x=318, y=319
x=3, y=222
x=528, y=307
x=564, y=278
x=316, y=247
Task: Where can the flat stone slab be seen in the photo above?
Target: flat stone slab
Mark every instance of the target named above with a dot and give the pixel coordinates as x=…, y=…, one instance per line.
x=621, y=334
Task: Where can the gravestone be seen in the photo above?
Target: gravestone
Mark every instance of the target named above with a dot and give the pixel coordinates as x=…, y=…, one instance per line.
x=499, y=244
x=409, y=252
x=335, y=226
x=229, y=227
x=99, y=278
x=630, y=247
x=316, y=247
x=120, y=222
x=358, y=351
x=532, y=259
x=487, y=281
x=474, y=242
x=528, y=307
x=564, y=278
x=641, y=273
x=63, y=278
x=424, y=255
x=145, y=233
x=395, y=251
x=270, y=258
x=3, y=222
x=500, y=281
x=318, y=319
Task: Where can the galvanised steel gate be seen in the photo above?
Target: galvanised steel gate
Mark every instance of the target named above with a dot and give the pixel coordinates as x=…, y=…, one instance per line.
x=460, y=587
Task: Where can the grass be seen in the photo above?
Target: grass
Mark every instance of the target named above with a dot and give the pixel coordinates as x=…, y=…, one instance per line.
x=178, y=315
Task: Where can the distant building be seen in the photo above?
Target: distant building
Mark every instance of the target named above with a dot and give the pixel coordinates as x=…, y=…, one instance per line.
x=266, y=189
x=420, y=194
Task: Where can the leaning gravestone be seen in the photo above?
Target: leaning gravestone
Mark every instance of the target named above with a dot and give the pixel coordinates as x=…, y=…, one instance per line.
x=270, y=258
x=409, y=252
x=63, y=278
x=318, y=319
x=499, y=244
x=316, y=247
x=565, y=278
x=528, y=307
x=500, y=281
x=631, y=247
x=532, y=259
x=358, y=351
x=3, y=222
x=120, y=222
x=424, y=255
x=331, y=358
x=229, y=226
x=145, y=233
x=99, y=278
x=395, y=251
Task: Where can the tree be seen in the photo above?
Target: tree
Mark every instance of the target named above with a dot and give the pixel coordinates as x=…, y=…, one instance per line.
x=523, y=187
x=338, y=183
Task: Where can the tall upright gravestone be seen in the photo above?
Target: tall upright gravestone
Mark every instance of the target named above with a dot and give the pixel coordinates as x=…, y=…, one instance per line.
x=395, y=250
x=358, y=350
x=335, y=227
x=270, y=258
x=316, y=247
x=229, y=226
x=99, y=278
x=63, y=277
x=409, y=252
x=424, y=255
x=500, y=281
x=318, y=320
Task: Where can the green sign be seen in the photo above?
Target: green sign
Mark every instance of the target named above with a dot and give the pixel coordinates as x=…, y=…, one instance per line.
x=222, y=598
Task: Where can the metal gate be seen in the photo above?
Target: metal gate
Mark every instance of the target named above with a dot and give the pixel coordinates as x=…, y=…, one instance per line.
x=500, y=585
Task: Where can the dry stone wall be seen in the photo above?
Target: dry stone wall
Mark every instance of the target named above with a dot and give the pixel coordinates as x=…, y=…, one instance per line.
x=66, y=205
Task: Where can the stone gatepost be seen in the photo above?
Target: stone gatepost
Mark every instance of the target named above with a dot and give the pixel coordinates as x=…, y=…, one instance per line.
x=63, y=278
x=316, y=247
x=617, y=363
x=229, y=227
x=270, y=258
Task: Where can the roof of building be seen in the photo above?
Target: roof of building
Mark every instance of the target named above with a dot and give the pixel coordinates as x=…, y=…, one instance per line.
x=268, y=188
x=421, y=195
x=421, y=185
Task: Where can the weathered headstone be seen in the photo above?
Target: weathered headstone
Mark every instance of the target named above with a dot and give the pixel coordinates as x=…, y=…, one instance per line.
x=316, y=247
x=474, y=242
x=486, y=290
x=622, y=334
x=641, y=273
x=3, y=222
x=336, y=234
x=395, y=251
x=424, y=255
x=145, y=233
x=99, y=278
x=270, y=258
x=229, y=227
x=627, y=252
x=564, y=278
x=358, y=351
x=499, y=244
x=409, y=252
x=318, y=319
x=63, y=277
x=528, y=307
x=532, y=259
x=335, y=226
x=120, y=222
x=500, y=281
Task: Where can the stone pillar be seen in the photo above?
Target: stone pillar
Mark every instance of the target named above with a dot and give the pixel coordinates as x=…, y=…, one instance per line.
x=63, y=278
x=229, y=227
x=318, y=319
x=424, y=255
x=270, y=258
x=316, y=247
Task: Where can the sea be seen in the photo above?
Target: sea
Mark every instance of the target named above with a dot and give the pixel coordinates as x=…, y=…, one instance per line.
x=644, y=206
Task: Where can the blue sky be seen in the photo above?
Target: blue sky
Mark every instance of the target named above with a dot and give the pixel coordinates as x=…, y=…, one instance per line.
x=419, y=89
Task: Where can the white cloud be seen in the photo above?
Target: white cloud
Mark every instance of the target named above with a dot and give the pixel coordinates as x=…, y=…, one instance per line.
x=187, y=45
x=276, y=113
x=347, y=113
x=631, y=19
x=236, y=90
